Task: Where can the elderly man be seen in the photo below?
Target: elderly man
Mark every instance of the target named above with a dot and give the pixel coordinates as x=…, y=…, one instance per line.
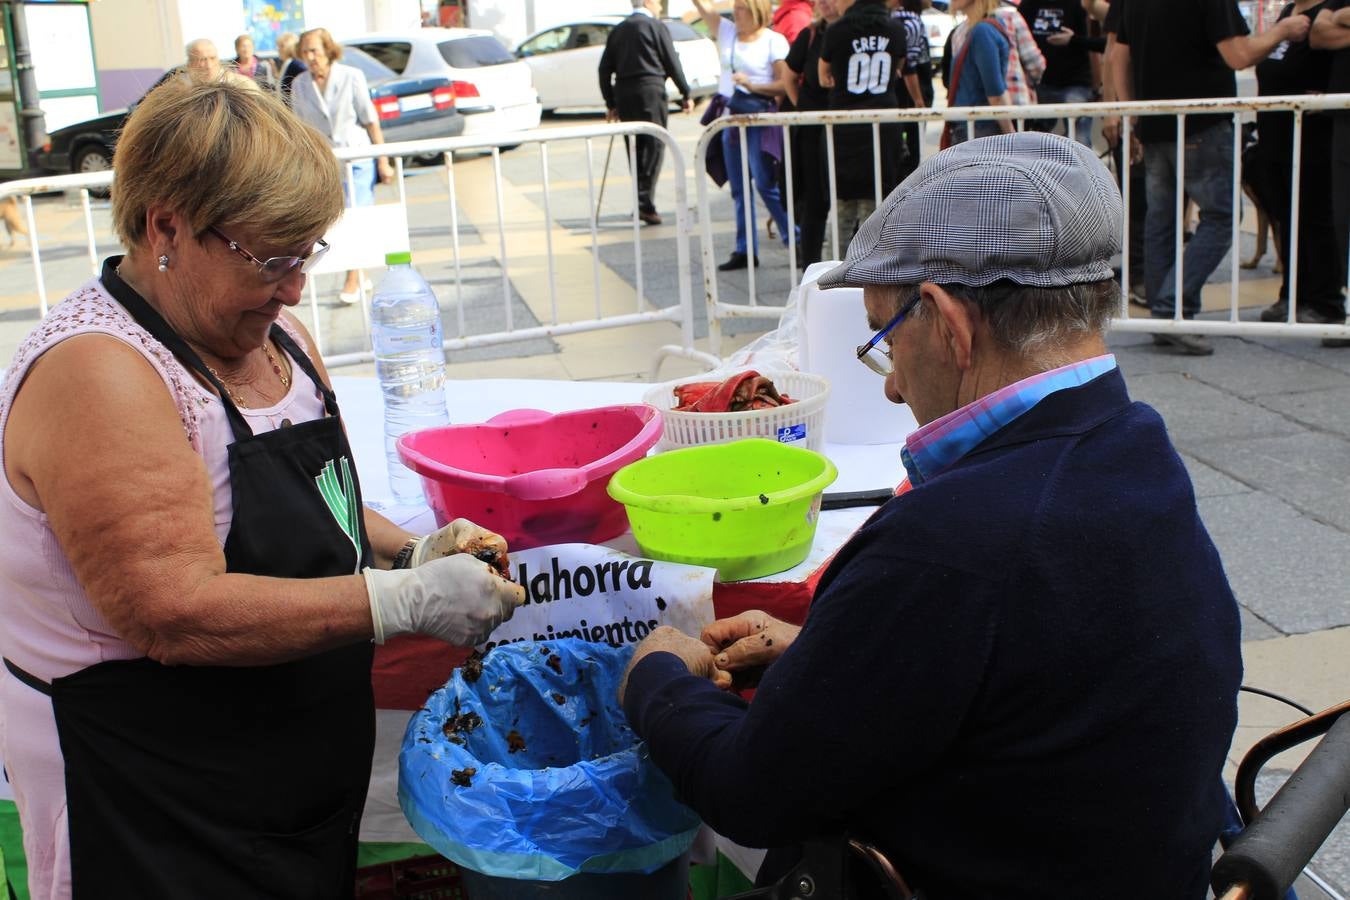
x=639, y=56
x=1019, y=678
x=203, y=63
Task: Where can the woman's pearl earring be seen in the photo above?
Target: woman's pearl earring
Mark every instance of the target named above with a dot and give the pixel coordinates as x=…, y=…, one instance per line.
x=164, y=263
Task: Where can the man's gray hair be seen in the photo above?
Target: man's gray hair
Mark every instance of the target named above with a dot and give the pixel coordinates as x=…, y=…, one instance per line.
x=1035, y=324
x=639, y=4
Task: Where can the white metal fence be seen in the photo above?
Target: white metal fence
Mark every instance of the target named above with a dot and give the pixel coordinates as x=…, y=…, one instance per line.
x=388, y=230
x=1239, y=110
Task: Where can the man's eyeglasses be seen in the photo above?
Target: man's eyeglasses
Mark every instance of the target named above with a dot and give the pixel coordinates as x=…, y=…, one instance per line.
x=276, y=268
x=872, y=354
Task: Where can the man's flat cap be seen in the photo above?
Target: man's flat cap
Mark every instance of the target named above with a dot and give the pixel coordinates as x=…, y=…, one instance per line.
x=1036, y=209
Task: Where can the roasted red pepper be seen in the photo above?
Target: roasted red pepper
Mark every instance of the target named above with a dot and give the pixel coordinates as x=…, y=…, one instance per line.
x=748, y=390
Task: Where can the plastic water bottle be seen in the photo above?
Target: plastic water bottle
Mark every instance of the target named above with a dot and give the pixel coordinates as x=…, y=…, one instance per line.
x=405, y=330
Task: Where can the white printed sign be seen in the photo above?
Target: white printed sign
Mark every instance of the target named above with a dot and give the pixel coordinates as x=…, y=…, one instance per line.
x=603, y=596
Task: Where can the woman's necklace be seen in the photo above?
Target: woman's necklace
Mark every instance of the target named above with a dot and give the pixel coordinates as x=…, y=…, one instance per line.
x=276, y=367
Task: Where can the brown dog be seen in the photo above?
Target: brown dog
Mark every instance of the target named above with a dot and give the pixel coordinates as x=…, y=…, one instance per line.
x=13, y=219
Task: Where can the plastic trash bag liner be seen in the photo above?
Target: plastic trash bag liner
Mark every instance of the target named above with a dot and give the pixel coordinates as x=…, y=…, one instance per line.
x=530, y=770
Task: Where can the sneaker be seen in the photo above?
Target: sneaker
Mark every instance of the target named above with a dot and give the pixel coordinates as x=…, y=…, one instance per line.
x=1318, y=317
x=1187, y=344
x=736, y=261
x=1276, y=312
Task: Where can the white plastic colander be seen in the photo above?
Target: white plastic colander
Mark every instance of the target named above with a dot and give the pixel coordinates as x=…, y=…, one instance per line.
x=800, y=424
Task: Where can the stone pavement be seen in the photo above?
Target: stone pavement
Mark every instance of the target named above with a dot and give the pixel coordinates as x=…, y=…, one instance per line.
x=1263, y=424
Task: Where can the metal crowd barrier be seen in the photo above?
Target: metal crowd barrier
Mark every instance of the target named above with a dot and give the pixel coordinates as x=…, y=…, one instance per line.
x=552, y=323
x=1238, y=109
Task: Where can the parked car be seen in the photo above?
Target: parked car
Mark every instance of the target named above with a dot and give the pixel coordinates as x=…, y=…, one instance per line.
x=938, y=22
x=409, y=109
x=565, y=60
x=493, y=90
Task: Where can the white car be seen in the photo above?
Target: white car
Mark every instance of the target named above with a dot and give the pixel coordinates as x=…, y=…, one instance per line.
x=565, y=60
x=494, y=91
x=938, y=23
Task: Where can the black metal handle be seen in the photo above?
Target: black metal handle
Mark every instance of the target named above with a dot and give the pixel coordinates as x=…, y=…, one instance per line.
x=1272, y=850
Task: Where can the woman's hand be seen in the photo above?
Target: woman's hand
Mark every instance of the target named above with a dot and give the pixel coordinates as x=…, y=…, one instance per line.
x=748, y=641
x=456, y=598
x=462, y=536
x=741, y=79
x=386, y=171
x=695, y=655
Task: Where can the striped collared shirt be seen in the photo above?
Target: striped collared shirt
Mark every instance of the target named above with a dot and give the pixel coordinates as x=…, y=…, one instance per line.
x=937, y=446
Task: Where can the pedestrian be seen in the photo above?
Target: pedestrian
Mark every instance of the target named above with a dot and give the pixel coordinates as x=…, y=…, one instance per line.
x=1331, y=32
x=639, y=56
x=189, y=583
x=979, y=74
x=790, y=18
x=860, y=63
x=754, y=74
x=1291, y=69
x=203, y=64
x=1183, y=49
x=811, y=184
x=917, y=76
x=334, y=98
x=250, y=66
x=1060, y=28
x=1114, y=136
x=1026, y=63
x=1019, y=678
x=291, y=66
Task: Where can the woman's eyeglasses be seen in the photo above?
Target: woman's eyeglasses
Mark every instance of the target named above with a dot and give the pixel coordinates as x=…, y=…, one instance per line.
x=872, y=354
x=275, y=268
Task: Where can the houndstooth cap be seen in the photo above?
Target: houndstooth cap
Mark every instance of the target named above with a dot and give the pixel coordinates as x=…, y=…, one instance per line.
x=1037, y=209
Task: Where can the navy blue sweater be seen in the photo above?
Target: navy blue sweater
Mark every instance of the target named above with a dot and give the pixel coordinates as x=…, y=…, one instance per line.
x=1019, y=679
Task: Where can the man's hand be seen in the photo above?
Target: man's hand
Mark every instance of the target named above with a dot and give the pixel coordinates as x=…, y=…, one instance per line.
x=751, y=640
x=1060, y=38
x=687, y=105
x=695, y=655
x=1295, y=28
x=611, y=115
x=384, y=170
x=462, y=536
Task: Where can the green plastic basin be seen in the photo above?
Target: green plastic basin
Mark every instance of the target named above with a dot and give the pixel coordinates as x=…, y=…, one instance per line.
x=747, y=508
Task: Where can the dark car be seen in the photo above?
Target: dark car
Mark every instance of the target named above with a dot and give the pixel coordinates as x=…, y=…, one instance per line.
x=410, y=109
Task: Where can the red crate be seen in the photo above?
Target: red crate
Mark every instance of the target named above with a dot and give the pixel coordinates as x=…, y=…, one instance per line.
x=417, y=878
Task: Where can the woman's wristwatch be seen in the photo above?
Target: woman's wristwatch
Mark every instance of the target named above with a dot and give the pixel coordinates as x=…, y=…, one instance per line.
x=403, y=558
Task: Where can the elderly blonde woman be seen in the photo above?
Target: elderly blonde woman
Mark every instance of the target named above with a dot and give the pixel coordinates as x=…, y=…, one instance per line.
x=754, y=75
x=289, y=64
x=335, y=99
x=189, y=583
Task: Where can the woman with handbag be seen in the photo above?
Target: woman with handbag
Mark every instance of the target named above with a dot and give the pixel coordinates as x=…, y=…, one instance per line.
x=978, y=72
x=754, y=72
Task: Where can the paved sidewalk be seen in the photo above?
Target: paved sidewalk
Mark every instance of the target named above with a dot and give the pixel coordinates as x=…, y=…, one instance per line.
x=1263, y=425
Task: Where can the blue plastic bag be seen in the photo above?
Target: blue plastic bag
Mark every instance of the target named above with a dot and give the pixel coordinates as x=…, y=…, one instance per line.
x=530, y=771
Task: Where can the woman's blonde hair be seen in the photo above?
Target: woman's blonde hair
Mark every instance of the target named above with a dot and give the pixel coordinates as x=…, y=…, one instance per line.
x=761, y=11
x=219, y=153
x=982, y=9
x=286, y=44
x=330, y=47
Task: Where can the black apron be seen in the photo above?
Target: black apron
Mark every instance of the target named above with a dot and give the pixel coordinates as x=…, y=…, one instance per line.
x=218, y=782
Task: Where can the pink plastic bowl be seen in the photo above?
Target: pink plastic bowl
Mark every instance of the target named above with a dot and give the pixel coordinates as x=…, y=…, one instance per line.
x=533, y=477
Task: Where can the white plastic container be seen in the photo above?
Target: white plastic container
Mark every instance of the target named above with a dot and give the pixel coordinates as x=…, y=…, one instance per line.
x=801, y=424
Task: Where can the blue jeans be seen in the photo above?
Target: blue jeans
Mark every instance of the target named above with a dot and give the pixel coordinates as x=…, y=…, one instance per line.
x=1209, y=182
x=1073, y=93
x=363, y=178
x=764, y=178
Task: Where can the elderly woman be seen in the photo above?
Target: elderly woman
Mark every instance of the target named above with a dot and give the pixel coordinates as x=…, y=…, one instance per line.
x=189, y=583
x=754, y=74
x=335, y=99
x=290, y=65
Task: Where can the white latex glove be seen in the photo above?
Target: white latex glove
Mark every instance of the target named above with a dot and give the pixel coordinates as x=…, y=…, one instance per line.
x=461, y=536
x=458, y=599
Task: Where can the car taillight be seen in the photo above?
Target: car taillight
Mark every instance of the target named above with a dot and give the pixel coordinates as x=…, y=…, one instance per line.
x=465, y=89
x=443, y=97
x=387, y=107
